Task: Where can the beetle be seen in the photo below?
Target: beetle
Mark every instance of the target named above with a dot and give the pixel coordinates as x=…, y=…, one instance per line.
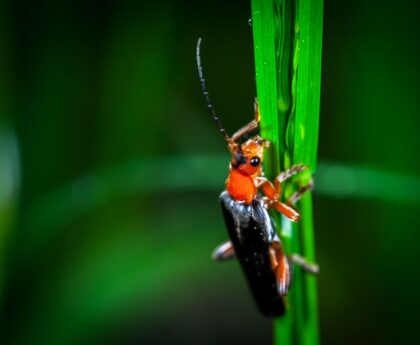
x=245, y=203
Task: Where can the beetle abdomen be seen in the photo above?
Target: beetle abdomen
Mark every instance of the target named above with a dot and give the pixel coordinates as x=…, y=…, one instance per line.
x=251, y=232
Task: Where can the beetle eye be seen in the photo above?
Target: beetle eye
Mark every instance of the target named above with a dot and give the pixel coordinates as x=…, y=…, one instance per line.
x=254, y=161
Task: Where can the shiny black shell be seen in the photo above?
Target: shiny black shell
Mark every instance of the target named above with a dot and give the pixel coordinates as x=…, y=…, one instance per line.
x=251, y=232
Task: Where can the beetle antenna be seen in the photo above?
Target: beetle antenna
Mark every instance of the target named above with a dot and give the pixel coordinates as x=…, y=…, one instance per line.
x=206, y=94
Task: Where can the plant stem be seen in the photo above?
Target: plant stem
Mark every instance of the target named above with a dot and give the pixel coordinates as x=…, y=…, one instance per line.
x=288, y=88
x=265, y=71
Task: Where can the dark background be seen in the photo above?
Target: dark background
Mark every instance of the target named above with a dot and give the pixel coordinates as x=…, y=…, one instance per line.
x=110, y=169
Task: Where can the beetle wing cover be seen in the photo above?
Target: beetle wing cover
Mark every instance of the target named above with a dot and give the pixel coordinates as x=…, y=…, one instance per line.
x=251, y=232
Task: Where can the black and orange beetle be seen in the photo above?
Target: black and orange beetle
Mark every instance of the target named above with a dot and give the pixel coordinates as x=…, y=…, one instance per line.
x=253, y=237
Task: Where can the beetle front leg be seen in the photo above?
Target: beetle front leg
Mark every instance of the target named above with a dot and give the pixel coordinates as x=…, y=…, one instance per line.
x=250, y=126
x=273, y=193
x=256, y=110
x=245, y=130
x=224, y=251
x=260, y=181
x=286, y=210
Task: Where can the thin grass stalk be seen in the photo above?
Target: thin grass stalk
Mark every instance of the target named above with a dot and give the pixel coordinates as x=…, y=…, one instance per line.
x=288, y=90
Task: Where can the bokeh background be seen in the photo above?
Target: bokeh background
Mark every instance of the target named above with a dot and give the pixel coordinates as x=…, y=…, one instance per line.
x=110, y=170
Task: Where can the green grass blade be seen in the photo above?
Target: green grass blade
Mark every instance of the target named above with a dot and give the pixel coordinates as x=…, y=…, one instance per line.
x=308, y=29
x=264, y=31
x=293, y=130
x=308, y=36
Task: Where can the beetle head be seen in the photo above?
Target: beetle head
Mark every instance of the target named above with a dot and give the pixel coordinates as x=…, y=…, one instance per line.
x=248, y=156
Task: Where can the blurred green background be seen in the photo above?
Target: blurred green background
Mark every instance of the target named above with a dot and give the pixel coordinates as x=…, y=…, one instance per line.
x=110, y=170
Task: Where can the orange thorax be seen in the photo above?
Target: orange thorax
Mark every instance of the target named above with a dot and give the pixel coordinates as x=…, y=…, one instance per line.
x=240, y=186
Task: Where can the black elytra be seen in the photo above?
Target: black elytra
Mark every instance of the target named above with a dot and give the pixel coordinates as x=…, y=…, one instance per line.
x=251, y=232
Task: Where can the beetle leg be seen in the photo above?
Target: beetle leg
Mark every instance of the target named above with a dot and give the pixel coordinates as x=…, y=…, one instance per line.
x=256, y=110
x=260, y=181
x=245, y=130
x=282, y=269
x=299, y=260
x=298, y=194
x=273, y=193
x=286, y=210
x=223, y=252
x=283, y=176
x=250, y=126
x=283, y=208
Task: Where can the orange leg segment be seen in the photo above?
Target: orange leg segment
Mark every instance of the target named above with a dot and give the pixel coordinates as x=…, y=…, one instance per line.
x=281, y=268
x=245, y=130
x=273, y=193
x=288, y=211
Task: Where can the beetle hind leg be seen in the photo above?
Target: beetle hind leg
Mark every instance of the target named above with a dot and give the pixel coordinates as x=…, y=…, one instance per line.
x=283, y=276
x=224, y=251
x=311, y=268
x=281, y=267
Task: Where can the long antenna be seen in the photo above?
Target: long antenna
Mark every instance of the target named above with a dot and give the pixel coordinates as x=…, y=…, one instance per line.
x=206, y=94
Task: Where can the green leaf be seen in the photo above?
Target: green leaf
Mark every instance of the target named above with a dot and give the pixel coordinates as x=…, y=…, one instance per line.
x=308, y=36
x=265, y=69
x=289, y=80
